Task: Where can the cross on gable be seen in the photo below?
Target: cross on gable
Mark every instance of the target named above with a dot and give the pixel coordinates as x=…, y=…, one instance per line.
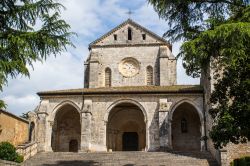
x=129, y=13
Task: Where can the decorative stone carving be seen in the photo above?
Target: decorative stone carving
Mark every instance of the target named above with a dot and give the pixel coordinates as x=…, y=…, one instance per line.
x=129, y=67
x=164, y=105
x=87, y=106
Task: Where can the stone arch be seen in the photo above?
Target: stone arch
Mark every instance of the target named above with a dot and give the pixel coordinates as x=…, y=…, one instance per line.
x=66, y=127
x=131, y=101
x=126, y=126
x=62, y=104
x=190, y=139
x=199, y=111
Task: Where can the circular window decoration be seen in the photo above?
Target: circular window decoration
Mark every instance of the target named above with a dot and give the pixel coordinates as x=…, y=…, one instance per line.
x=129, y=67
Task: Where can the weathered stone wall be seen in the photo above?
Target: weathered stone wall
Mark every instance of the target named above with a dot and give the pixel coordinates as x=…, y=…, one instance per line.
x=95, y=114
x=13, y=129
x=152, y=51
x=122, y=37
x=101, y=58
x=234, y=151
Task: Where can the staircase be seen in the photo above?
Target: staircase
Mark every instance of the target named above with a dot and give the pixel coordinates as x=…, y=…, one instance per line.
x=122, y=159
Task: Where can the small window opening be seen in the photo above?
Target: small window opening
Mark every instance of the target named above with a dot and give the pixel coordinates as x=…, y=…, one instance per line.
x=115, y=37
x=149, y=75
x=184, y=128
x=129, y=34
x=143, y=36
x=107, y=77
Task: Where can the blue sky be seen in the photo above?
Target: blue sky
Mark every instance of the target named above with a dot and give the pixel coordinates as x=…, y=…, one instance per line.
x=90, y=19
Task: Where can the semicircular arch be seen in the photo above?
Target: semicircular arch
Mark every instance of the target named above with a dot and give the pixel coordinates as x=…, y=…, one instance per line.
x=130, y=101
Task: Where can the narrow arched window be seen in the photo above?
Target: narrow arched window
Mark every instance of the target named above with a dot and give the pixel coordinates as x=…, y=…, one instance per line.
x=184, y=128
x=129, y=34
x=107, y=77
x=149, y=75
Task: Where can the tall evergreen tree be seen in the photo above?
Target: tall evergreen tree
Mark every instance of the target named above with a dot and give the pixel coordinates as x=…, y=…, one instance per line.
x=216, y=34
x=30, y=30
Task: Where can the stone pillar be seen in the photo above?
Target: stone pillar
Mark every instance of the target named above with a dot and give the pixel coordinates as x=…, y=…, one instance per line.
x=85, y=131
x=86, y=126
x=164, y=106
x=93, y=70
x=167, y=67
x=41, y=136
x=49, y=136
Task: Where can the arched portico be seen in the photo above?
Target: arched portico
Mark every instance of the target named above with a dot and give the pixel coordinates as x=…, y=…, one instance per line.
x=186, y=127
x=126, y=126
x=66, y=128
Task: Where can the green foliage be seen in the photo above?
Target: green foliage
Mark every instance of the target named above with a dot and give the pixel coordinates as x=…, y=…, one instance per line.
x=8, y=152
x=244, y=161
x=25, y=115
x=19, y=159
x=229, y=47
x=29, y=31
x=217, y=35
x=188, y=18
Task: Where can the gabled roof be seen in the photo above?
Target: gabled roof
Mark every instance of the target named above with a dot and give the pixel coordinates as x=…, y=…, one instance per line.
x=133, y=23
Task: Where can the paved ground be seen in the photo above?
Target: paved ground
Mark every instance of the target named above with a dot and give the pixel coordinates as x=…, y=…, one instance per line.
x=122, y=159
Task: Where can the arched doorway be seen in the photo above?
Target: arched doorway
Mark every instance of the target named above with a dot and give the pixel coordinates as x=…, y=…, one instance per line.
x=32, y=132
x=66, y=131
x=126, y=129
x=186, y=128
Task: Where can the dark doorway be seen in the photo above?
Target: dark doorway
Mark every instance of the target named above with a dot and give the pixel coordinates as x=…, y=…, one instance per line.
x=130, y=141
x=73, y=145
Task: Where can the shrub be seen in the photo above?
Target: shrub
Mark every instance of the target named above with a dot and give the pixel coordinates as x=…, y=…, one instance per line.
x=8, y=152
x=19, y=158
x=244, y=161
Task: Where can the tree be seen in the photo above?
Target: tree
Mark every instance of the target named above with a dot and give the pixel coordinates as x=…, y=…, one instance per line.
x=216, y=35
x=30, y=30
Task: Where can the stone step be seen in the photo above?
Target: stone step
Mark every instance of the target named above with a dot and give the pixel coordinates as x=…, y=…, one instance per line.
x=122, y=158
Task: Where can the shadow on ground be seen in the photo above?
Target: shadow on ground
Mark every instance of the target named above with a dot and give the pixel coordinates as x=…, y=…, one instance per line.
x=74, y=163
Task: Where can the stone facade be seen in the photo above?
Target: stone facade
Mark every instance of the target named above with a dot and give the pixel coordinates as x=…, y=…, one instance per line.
x=13, y=128
x=95, y=118
x=109, y=53
x=130, y=101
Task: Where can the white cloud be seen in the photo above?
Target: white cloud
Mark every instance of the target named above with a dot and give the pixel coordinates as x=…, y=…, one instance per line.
x=89, y=19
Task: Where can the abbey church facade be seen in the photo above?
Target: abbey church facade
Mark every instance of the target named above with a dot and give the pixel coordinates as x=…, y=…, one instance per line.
x=130, y=100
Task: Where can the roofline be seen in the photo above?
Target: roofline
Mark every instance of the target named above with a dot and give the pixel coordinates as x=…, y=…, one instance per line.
x=119, y=91
x=14, y=116
x=134, y=23
x=131, y=45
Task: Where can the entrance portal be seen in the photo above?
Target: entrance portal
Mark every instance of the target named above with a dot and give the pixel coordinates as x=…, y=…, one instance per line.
x=126, y=129
x=130, y=141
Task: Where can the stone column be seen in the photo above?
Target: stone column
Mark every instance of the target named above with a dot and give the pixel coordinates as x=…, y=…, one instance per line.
x=164, y=106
